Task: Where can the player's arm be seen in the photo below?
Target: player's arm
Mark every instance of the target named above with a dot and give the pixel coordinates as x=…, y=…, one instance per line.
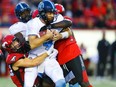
x=26, y=62
x=34, y=41
x=62, y=35
x=62, y=24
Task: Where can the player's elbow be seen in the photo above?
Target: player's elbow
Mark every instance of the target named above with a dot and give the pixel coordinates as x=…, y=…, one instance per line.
x=32, y=45
x=68, y=22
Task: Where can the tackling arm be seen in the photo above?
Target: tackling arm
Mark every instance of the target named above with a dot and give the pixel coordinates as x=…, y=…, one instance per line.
x=62, y=24
x=62, y=35
x=26, y=62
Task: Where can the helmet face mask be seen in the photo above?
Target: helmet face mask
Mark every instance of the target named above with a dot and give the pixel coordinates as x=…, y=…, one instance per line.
x=15, y=45
x=46, y=7
x=25, y=16
x=49, y=17
x=23, y=12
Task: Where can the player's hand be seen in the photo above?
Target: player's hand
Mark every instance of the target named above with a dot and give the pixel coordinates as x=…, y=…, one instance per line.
x=53, y=54
x=49, y=34
x=56, y=36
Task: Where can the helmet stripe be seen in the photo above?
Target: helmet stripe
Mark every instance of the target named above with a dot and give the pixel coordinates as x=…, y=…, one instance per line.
x=21, y=5
x=51, y=4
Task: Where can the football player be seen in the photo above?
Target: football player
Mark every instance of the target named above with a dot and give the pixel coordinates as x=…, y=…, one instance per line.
x=18, y=61
x=69, y=56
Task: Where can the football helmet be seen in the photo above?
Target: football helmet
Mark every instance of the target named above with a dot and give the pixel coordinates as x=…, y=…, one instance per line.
x=23, y=12
x=44, y=7
x=60, y=9
x=7, y=41
x=35, y=13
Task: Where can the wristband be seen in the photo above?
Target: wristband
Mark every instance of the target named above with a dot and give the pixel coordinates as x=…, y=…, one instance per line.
x=64, y=35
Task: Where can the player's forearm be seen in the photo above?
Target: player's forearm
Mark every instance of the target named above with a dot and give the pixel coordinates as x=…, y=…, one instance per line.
x=66, y=33
x=62, y=24
x=31, y=62
x=37, y=42
x=38, y=60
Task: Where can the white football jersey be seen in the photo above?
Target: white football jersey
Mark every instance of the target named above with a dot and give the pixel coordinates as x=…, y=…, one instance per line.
x=18, y=27
x=34, y=27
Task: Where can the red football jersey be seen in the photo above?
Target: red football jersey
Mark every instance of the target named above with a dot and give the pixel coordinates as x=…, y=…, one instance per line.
x=10, y=60
x=18, y=80
x=67, y=50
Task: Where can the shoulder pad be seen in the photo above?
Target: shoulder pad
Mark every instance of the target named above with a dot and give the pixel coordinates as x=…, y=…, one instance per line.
x=13, y=57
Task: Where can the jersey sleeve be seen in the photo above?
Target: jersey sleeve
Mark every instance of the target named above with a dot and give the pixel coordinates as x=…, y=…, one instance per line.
x=32, y=28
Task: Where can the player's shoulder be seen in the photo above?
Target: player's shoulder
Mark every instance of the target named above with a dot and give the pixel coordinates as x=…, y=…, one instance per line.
x=17, y=25
x=13, y=57
x=33, y=20
x=58, y=18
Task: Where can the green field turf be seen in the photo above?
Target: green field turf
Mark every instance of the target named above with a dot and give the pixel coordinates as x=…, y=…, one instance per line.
x=6, y=82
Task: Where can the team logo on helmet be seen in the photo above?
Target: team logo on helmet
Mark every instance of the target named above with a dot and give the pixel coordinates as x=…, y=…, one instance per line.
x=40, y=6
x=4, y=44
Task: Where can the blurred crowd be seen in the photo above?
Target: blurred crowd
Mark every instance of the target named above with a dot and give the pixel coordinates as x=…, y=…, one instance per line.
x=85, y=14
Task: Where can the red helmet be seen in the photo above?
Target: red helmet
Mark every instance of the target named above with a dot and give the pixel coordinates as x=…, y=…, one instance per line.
x=7, y=41
x=35, y=13
x=60, y=9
